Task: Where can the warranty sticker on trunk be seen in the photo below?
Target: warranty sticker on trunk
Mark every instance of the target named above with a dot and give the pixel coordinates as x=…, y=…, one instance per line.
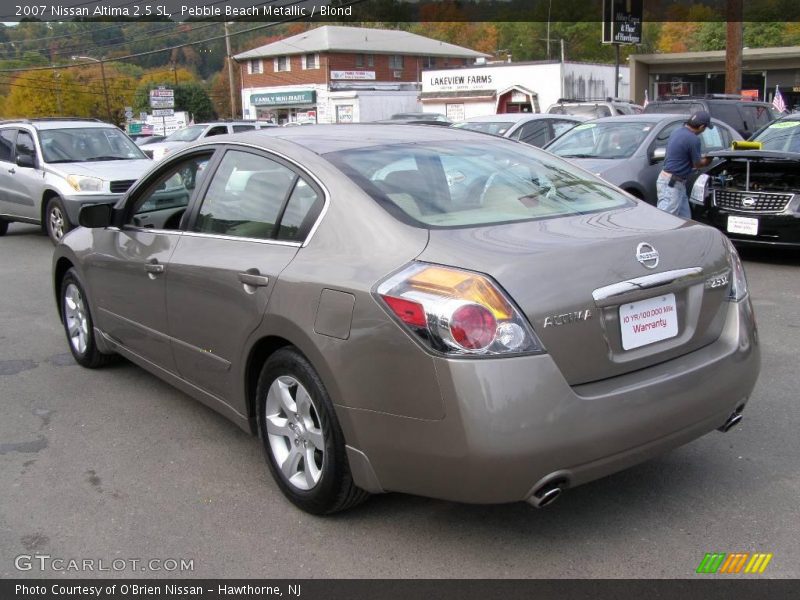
x=648, y=321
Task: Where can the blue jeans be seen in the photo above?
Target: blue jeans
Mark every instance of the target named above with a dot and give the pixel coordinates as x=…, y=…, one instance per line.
x=673, y=199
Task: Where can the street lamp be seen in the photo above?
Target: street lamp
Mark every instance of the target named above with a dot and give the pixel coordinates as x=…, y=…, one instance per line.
x=105, y=87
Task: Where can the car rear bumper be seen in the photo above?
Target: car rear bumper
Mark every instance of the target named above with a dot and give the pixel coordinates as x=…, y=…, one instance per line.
x=511, y=424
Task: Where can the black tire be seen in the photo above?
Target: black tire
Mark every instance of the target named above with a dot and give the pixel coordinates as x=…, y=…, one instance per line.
x=83, y=348
x=3, y=227
x=56, y=222
x=334, y=490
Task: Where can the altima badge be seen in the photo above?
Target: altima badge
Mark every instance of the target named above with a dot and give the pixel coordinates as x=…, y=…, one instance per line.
x=567, y=318
x=647, y=255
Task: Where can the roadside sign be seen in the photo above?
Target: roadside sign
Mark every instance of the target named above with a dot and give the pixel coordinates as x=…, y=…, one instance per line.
x=128, y=114
x=162, y=98
x=143, y=116
x=163, y=112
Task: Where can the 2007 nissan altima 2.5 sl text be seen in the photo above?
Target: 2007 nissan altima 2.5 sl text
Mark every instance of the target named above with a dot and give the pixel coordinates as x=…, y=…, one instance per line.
x=415, y=309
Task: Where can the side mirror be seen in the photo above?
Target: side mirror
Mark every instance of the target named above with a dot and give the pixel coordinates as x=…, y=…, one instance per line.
x=658, y=154
x=95, y=216
x=26, y=160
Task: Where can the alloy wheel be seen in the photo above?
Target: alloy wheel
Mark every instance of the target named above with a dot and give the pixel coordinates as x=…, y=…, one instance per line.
x=76, y=319
x=56, y=223
x=294, y=432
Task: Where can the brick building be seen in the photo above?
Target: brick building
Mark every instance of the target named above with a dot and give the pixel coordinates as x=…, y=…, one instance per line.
x=335, y=74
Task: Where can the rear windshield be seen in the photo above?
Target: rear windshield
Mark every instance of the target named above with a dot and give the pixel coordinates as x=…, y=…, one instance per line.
x=464, y=184
x=594, y=111
x=675, y=108
x=495, y=128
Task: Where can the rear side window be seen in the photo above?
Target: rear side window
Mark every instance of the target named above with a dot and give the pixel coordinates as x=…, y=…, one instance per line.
x=756, y=116
x=245, y=197
x=458, y=184
x=301, y=212
x=238, y=128
x=535, y=133
x=7, y=140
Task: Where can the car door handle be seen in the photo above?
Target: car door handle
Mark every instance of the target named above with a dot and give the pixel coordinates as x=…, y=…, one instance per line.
x=154, y=268
x=12, y=170
x=254, y=279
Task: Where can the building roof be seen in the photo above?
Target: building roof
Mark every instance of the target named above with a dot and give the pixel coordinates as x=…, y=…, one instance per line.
x=334, y=38
x=717, y=55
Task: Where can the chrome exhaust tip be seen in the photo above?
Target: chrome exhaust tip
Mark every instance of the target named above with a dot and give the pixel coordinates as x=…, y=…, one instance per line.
x=733, y=420
x=547, y=494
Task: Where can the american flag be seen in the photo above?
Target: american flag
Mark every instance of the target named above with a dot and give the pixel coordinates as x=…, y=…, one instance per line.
x=646, y=101
x=777, y=101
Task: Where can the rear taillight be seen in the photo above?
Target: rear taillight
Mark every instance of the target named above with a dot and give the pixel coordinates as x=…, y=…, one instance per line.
x=457, y=312
x=738, y=279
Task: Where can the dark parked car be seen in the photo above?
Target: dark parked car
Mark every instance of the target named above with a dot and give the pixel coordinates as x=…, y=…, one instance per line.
x=745, y=116
x=414, y=309
x=628, y=151
x=535, y=129
x=146, y=140
x=754, y=195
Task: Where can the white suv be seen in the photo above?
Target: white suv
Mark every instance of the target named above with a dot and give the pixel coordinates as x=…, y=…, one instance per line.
x=49, y=168
x=193, y=133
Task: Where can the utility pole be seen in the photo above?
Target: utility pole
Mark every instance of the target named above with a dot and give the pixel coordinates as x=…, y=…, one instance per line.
x=105, y=86
x=175, y=72
x=616, y=71
x=230, y=70
x=733, y=48
x=56, y=78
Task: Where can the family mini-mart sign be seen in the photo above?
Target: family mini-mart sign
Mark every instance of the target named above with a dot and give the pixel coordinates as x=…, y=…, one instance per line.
x=622, y=21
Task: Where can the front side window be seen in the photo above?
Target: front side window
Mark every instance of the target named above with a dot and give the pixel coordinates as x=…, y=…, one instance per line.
x=240, y=128
x=162, y=203
x=25, y=145
x=602, y=140
x=245, y=197
x=466, y=184
x=87, y=144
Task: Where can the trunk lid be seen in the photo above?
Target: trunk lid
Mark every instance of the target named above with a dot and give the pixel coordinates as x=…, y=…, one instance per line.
x=578, y=281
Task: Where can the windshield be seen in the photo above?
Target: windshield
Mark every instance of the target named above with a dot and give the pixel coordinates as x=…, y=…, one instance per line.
x=495, y=128
x=601, y=140
x=782, y=136
x=87, y=144
x=187, y=134
x=464, y=184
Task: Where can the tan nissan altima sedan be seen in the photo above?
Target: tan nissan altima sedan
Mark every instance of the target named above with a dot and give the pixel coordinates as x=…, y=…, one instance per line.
x=415, y=309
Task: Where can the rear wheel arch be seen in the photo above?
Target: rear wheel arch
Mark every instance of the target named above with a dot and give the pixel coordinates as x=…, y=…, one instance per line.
x=259, y=355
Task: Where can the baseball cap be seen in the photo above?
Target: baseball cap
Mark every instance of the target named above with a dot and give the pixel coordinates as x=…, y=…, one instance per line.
x=699, y=118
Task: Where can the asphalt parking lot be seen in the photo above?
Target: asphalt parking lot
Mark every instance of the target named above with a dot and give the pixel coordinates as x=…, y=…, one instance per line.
x=113, y=464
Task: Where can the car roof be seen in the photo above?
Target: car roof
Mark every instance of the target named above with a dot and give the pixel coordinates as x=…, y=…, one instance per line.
x=641, y=118
x=322, y=139
x=60, y=124
x=516, y=117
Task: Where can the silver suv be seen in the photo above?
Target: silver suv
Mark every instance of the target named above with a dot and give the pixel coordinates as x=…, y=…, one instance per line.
x=193, y=133
x=594, y=108
x=49, y=168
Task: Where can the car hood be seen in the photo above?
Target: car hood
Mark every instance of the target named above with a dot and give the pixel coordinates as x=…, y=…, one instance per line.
x=759, y=155
x=555, y=269
x=108, y=170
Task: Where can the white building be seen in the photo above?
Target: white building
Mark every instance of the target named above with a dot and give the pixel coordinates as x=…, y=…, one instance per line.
x=516, y=87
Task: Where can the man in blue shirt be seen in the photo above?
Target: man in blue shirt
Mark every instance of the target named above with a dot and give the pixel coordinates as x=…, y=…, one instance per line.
x=683, y=155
